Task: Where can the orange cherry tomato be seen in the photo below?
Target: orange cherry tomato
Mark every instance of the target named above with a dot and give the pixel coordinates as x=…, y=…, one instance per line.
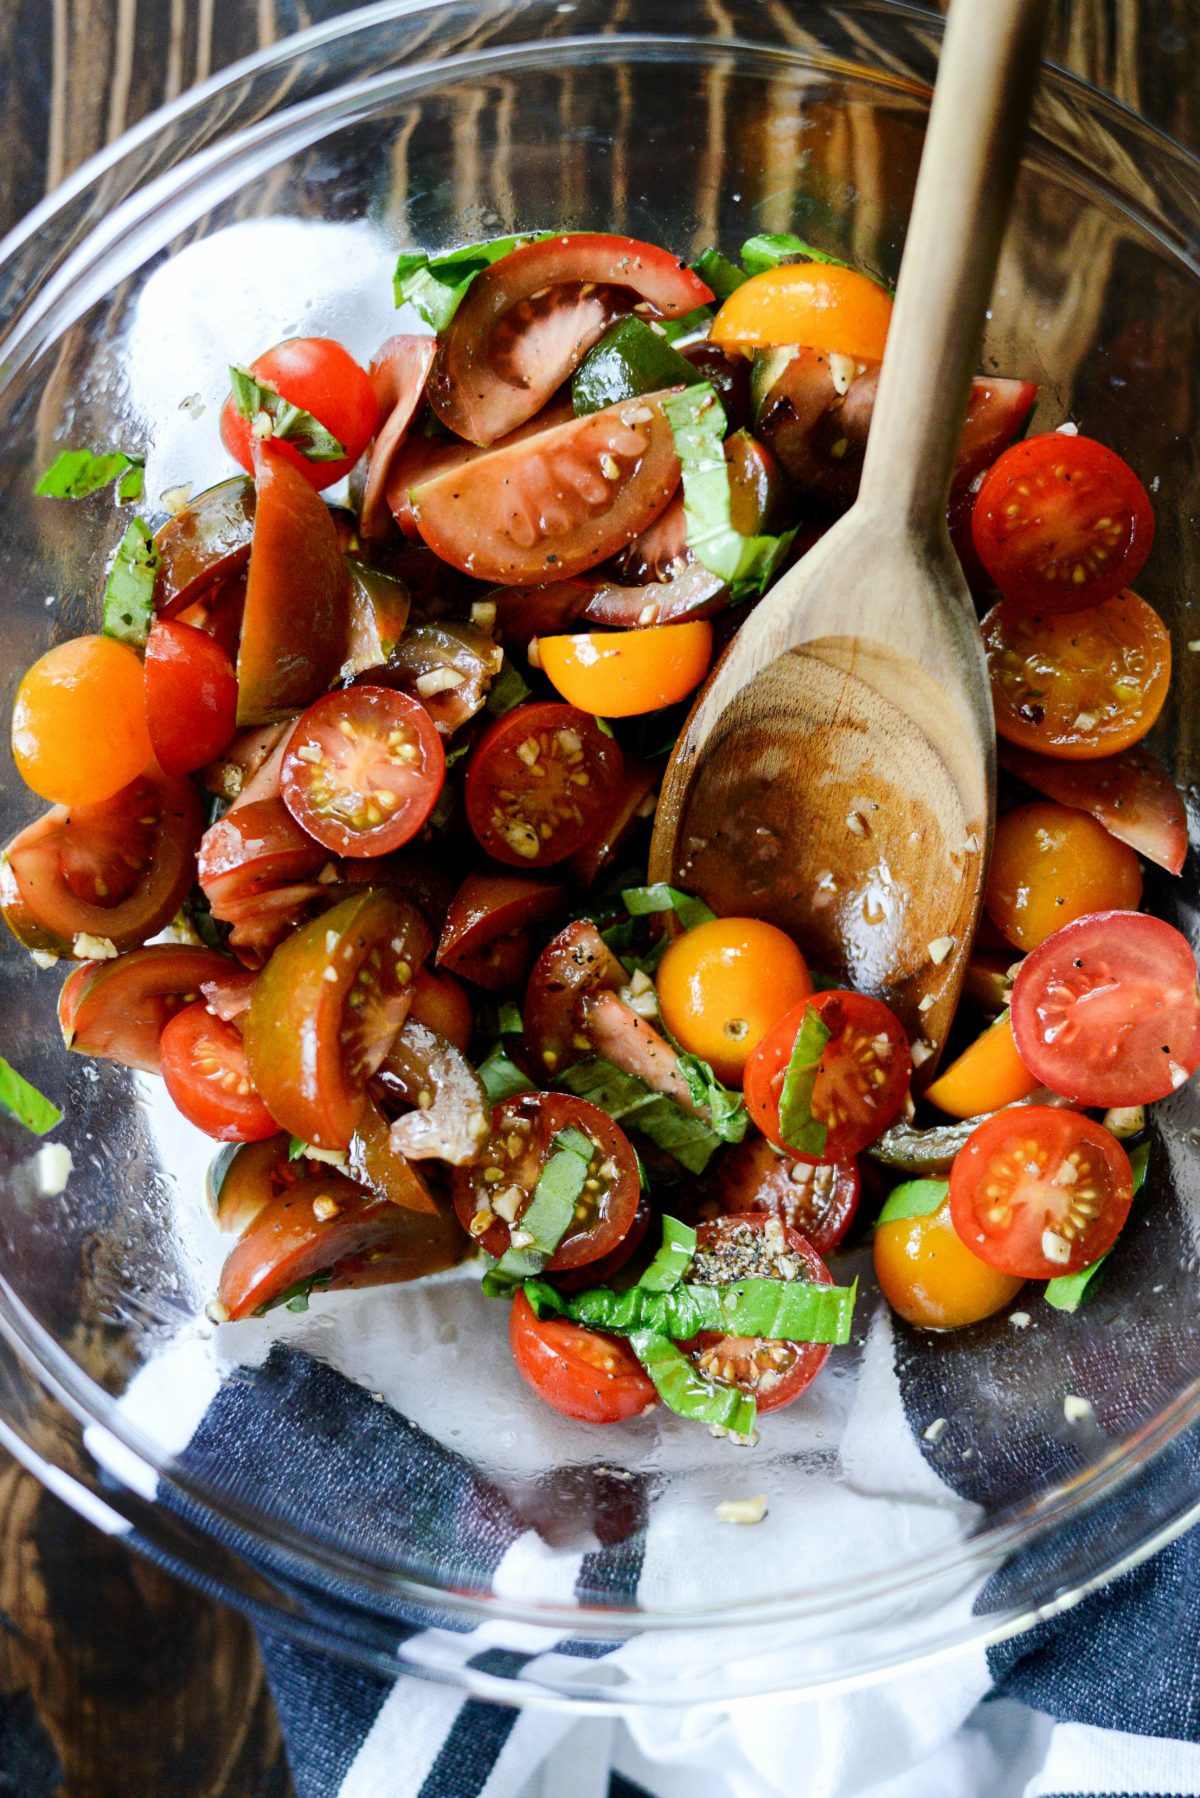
x=809, y=303
x=724, y=984
x=1051, y=864
x=1078, y=684
x=928, y=1274
x=617, y=674
x=440, y=1002
x=986, y=1077
x=79, y=721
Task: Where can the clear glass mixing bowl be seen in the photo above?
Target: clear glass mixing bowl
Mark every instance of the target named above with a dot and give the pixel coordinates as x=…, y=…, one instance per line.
x=930, y=1491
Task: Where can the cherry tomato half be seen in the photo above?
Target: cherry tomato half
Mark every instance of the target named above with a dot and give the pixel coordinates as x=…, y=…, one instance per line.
x=362, y=770
x=1036, y=1191
x=79, y=721
x=204, y=1067
x=440, y=1002
x=861, y=1079
x=1051, y=864
x=1061, y=522
x=1106, y=1011
x=119, y=1008
x=619, y=674
x=815, y=304
x=487, y=907
x=818, y=1202
x=323, y=379
x=722, y=985
x=579, y=1372
x=542, y=779
x=929, y=1276
x=191, y=696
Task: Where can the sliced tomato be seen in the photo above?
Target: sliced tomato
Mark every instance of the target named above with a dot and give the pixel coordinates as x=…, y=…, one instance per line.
x=1061, y=522
x=327, y=1233
x=691, y=592
x=244, y=1177
x=557, y=503
x=634, y=804
x=362, y=770
x=431, y=451
x=191, y=696
x=600, y=1273
x=254, y=849
x=817, y=1202
x=447, y=666
x=379, y=1164
x=1131, y=794
x=448, y=1110
x=379, y=608
x=930, y=1277
x=861, y=1079
x=528, y=321
x=326, y=1011
x=758, y=1246
x=623, y=674
x=987, y=1076
x=441, y=1002
x=523, y=613
x=119, y=870
x=399, y=372
x=502, y=966
x=228, y=995
x=1038, y=1191
x=118, y=1009
x=297, y=596
x=823, y=305
x=1106, y=1011
x=488, y=906
x=542, y=780
x=206, y=543
x=580, y=1373
x=503, y=1179
x=573, y=965
x=321, y=378
x=1080, y=685
x=204, y=1067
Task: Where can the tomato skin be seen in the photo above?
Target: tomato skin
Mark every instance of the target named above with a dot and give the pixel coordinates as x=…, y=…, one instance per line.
x=722, y=985
x=79, y=723
x=204, y=1067
x=580, y=1373
x=1061, y=522
x=440, y=1002
x=622, y=674
x=532, y=822
x=635, y=802
x=322, y=378
x=855, y=1021
x=815, y=304
x=1109, y=666
x=819, y=1203
x=799, y=1363
x=362, y=770
x=205, y=544
x=118, y=1009
x=1131, y=794
x=1051, y=864
x=399, y=372
x=987, y=1076
x=1106, y=1011
x=1009, y=1200
x=931, y=1279
x=489, y=906
x=191, y=696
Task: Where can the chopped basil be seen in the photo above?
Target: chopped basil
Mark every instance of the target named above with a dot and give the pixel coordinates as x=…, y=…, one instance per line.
x=630, y=359
x=716, y=270
x=773, y=1310
x=548, y=1215
x=770, y=248
x=916, y=1198
x=507, y=690
x=698, y=319
x=436, y=285
x=129, y=589
x=283, y=420
x=725, y=1107
x=501, y=1077
x=688, y=1139
x=747, y=564
x=642, y=902
x=295, y=1298
x=672, y=1260
x=197, y=913
x=25, y=1103
x=1066, y=1291
x=688, y=1392
x=509, y=1021
x=74, y=474
x=798, y=1128
x=297, y=1148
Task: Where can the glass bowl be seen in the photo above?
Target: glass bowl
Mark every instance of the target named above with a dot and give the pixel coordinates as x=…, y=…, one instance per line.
x=930, y=1491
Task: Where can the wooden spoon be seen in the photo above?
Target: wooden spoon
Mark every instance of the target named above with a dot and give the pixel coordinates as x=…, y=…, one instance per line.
x=837, y=774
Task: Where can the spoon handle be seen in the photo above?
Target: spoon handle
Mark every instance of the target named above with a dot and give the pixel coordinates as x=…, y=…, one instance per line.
x=986, y=77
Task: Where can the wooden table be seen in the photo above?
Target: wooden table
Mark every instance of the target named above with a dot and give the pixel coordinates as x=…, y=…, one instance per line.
x=115, y=1680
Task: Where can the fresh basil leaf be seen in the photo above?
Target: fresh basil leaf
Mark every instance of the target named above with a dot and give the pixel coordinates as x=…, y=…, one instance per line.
x=717, y=272
x=25, y=1103
x=457, y=753
x=689, y=1140
x=641, y=902
x=769, y=248
x=297, y=1148
x=287, y=422
x=1066, y=1291
x=774, y=1310
x=672, y=1259
x=295, y=1298
x=548, y=1215
x=507, y=690
x=576, y=1141
x=687, y=1391
x=698, y=319
x=132, y=483
x=509, y=1021
x=726, y=1108
x=916, y=1198
x=502, y=1078
x=437, y=285
x=799, y=1130
x=74, y=474
x=129, y=589
x=747, y=564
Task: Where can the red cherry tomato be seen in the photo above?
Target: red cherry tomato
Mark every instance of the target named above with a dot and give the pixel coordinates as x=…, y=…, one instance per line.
x=323, y=379
x=541, y=782
x=204, y=1066
x=489, y=906
x=583, y=1374
x=191, y=696
x=1036, y=1191
x=1106, y=1010
x=861, y=1081
x=818, y=1202
x=362, y=770
x=1061, y=522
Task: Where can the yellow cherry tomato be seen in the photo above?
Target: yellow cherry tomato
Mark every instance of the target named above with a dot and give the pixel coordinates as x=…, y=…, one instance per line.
x=811, y=304
x=723, y=985
x=617, y=674
x=929, y=1275
x=986, y=1077
x=79, y=721
x=1051, y=864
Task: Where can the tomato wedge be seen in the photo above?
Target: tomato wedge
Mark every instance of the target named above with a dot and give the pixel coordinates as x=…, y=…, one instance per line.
x=621, y=674
x=578, y=1372
x=440, y=1002
x=380, y=1166
x=634, y=805
x=1060, y=522
x=542, y=780
x=861, y=1079
x=119, y=1009
x=398, y=375
x=1106, y=1011
x=254, y=849
x=208, y=542
x=119, y=870
x=987, y=1076
x=424, y=455
x=488, y=906
x=362, y=770
x=204, y=1067
x=492, y=1196
x=1079, y=685
x=326, y=1009
x=817, y=1202
x=1131, y=794
x=574, y=965
x=1037, y=1191
x=528, y=321
x=557, y=503
x=191, y=696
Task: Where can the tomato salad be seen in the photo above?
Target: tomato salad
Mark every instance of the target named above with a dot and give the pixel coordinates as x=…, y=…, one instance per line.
x=350, y=805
